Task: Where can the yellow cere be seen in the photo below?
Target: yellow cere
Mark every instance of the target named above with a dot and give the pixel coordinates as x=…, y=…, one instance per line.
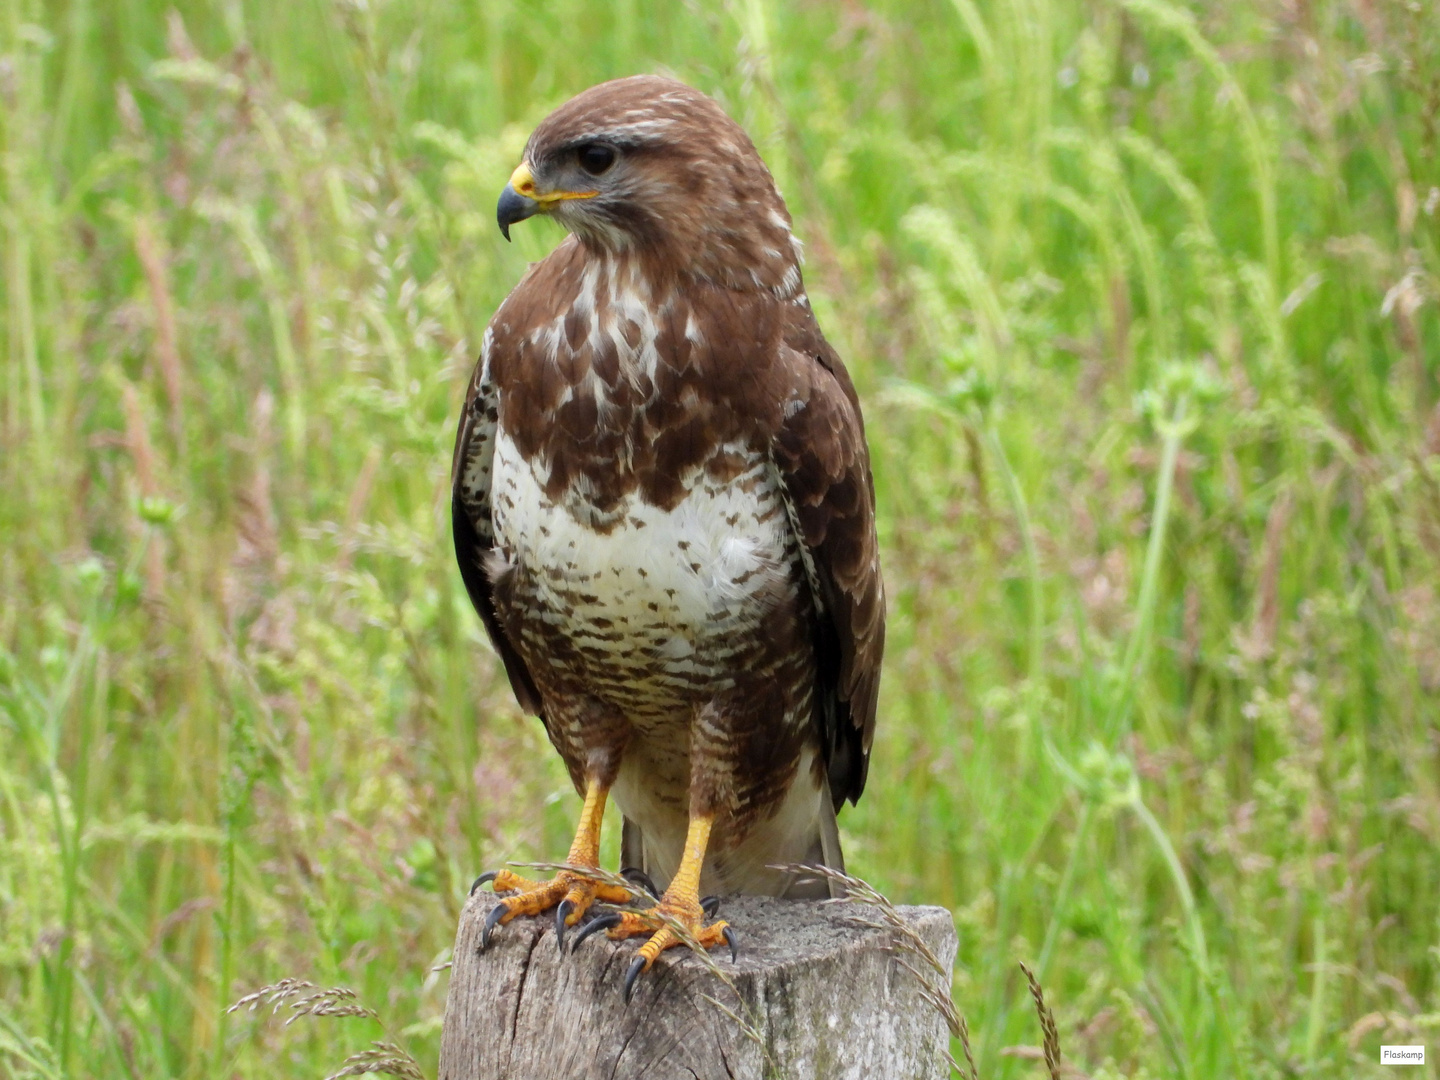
x=523, y=181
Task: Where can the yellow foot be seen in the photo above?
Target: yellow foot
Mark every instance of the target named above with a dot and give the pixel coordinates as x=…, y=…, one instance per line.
x=569, y=893
x=670, y=922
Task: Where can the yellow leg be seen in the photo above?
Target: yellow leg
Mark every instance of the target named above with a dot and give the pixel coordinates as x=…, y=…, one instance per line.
x=570, y=892
x=678, y=908
x=585, y=849
x=687, y=878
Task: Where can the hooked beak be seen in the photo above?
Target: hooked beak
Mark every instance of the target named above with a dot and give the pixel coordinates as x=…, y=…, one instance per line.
x=513, y=207
x=521, y=200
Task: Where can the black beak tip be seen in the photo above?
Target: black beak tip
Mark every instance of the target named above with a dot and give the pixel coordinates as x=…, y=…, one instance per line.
x=513, y=207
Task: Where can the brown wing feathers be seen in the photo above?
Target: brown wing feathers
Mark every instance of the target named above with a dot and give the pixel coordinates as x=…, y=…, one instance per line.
x=471, y=527
x=820, y=450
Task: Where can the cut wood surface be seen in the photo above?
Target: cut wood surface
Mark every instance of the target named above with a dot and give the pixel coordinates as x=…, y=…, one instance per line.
x=829, y=997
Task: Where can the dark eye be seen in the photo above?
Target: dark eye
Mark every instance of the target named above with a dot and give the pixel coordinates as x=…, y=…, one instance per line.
x=595, y=158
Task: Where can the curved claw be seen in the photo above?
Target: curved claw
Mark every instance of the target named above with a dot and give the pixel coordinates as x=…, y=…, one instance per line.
x=710, y=905
x=636, y=966
x=733, y=940
x=595, y=925
x=562, y=912
x=489, y=875
x=496, y=914
x=641, y=878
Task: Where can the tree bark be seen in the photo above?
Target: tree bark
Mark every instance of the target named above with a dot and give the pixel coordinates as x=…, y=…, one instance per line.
x=827, y=997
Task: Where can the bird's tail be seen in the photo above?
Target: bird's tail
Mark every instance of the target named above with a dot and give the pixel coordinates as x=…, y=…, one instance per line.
x=824, y=851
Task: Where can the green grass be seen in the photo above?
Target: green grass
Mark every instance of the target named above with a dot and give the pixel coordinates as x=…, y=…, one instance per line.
x=1141, y=300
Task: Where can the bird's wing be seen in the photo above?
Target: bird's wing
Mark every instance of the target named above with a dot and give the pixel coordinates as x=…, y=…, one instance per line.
x=824, y=464
x=470, y=516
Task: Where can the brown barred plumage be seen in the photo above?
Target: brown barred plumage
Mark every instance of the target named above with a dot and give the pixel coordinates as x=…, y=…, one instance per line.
x=663, y=507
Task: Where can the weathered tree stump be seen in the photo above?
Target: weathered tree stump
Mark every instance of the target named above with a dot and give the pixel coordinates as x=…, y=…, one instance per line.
x=828, y=997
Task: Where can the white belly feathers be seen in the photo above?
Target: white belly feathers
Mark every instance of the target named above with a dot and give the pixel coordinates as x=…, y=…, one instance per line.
x=665, y=592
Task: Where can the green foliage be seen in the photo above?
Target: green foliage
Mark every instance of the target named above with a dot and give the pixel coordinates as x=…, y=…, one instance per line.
x=1140, y=296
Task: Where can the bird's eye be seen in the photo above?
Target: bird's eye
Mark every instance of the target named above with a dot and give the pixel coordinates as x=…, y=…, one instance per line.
x=596, y=158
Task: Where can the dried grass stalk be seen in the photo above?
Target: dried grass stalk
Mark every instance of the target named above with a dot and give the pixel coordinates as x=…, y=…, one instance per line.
x=964, y=1037
x=1047, y=1024
x=307, y=999
x=334, y=1001
x=167, y=349
x=386, y=1058
x=275, y=994
x=594, y=873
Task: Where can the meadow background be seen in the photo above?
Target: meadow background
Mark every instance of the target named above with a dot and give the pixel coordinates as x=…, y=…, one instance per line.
x=1140, y=296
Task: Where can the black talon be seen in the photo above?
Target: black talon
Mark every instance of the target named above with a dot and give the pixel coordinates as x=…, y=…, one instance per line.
x=600, y=922
x=496, y=914
x=710, y=905
x=636, y=966
x=639, y=877
x=733, y=940
x=489, y=875
x=562, y=910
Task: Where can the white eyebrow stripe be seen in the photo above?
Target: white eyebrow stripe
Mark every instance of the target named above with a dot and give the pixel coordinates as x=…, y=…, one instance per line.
x=640, y=129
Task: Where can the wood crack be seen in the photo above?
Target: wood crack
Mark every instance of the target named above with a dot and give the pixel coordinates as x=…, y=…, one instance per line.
x=520, y=992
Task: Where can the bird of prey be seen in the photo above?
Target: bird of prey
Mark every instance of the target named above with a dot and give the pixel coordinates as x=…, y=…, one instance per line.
x=664, y=514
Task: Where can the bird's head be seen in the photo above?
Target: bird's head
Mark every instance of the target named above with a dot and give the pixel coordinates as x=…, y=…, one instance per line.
x=649, y=166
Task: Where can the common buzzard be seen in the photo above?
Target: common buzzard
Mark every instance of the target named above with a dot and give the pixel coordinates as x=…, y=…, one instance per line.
x=664, y=514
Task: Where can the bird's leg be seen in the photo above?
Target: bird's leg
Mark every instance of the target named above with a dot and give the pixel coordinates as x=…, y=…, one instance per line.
x=570, y=892
x=680, y=905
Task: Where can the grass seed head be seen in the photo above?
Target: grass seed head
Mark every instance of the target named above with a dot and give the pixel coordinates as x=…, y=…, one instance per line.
x=1047, y=1024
